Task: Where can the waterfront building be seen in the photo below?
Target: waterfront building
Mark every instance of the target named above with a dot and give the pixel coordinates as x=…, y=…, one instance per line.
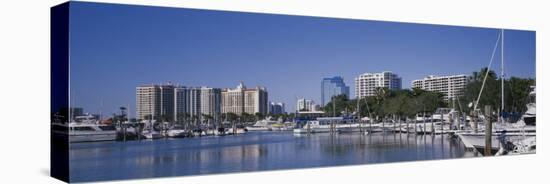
x=305, y=105
x=255, y=100
x=276, y=108
x=210, y=101
x=181, y=95
x=233, y=100
x=194, y=101
x=451, y=86
x=242, y=100
x=155, y=102
x=367, y=84
x=333, y=87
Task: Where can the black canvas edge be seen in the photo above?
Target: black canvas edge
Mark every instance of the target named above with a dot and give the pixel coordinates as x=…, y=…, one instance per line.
x=59, y=89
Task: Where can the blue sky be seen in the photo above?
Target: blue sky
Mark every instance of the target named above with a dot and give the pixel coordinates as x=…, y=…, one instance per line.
x=115, y=48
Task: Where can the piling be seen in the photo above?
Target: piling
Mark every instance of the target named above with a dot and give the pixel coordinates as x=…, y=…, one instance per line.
x=466, y=124
x=475, y=121
x=415, y=122
x=394, y=123
x=400, y=126
x=451, y=122
x=407, y=129
x=424, y=121
x=442, y=123
x=383, y=125
x=370, y=124
x=488, y=131
x=433, y=125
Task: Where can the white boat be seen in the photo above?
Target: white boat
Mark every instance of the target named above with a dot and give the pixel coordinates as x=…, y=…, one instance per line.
x=151, y=134
x=257, y=128
x=442, y=114
x=498, y=140
x=349, y=128
x=530, y=116
x=85, y=132
x=262, y=125
x=313, y=127
x=237, y=131
x=176, y=132
x=516, y=138
x=422, y=117
x=128, y=130
x=287, y=126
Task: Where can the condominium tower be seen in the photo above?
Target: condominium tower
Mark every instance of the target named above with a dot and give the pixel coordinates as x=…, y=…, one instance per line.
x=188, y=102
x=367, y=84
x=451, y=86
x=155, y=102
x=243, y=100
x=210, y=101
x=303, y=105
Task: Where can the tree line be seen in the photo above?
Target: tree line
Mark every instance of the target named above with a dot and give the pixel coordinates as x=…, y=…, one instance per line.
x=516, y=92
x=407, y=103
x=387, y=103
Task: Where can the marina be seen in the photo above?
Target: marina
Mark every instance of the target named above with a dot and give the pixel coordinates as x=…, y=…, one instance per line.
x=317, y=143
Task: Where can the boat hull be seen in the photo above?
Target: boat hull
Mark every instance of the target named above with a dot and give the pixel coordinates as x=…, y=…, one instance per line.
x=74, y=138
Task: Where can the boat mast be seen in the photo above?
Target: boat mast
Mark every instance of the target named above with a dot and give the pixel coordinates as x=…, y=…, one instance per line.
x=333, y=103
x=128, y=114
x=487, y=73
x=358, y=110
x=100, y=110
x=502, y=75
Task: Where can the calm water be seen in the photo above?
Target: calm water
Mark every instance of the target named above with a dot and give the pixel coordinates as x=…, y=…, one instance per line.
x=251, y=152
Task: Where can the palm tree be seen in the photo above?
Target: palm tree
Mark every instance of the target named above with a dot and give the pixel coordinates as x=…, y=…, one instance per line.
x=123, y=113
x=180, y=118
x=208, y=119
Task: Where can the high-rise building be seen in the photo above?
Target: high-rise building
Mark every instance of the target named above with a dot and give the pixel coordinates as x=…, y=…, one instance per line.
x=194, y=102
x=276, y=108
x=242, y=100
x=181, y=95
x=451, y=86
x=305, y=105
x=333, y=87
x=233, y=100
x=255, y=100
x=210, y=101
x=367, y=84
x=155, y=102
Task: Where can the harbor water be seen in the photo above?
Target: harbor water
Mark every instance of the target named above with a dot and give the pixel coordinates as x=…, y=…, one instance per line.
x=253, y=151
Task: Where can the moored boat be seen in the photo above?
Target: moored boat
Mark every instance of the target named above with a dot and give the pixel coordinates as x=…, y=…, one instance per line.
x=86, y=132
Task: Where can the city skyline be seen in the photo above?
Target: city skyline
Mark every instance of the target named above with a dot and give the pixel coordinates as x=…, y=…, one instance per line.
x=115, y=49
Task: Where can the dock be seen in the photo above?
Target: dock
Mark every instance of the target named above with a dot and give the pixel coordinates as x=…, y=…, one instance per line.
x=467, y=144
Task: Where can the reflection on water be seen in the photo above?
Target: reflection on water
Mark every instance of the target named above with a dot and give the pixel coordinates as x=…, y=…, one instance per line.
x=250, y=152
